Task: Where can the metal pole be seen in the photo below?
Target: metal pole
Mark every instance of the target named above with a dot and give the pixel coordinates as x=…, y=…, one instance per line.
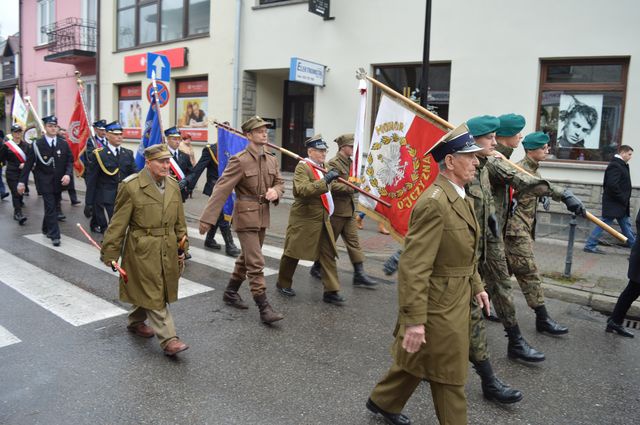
x=572, y=236
x=424, y=82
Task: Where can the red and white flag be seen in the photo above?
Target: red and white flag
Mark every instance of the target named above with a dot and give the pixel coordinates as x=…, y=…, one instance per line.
x=358, y=138
x=78, y=134
x=399, y=168
x=177, y=171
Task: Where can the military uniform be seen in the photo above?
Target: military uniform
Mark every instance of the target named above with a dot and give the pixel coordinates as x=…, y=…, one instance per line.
x=15, y=155
x=179, y=159
x=147, y=224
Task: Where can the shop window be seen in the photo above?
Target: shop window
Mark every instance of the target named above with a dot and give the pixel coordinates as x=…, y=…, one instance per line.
x=146, y=22
x=130, y=110
x=581, y=106
x=47, y=100
x=405, y=79
x=192, y=107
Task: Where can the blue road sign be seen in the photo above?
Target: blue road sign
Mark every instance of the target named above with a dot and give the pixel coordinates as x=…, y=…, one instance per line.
x=160, y=64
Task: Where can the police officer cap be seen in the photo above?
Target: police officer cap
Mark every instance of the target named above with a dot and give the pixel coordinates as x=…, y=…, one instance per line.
x=510, y=125
x=159, y=151
x=113, y=127
x=316, y=142
x=15, y=128
x=345, y=140
x=457, y=140
x=51, y=119
x=172, y=132
x=535, y=140
x=253, y=123
x=485, y=124
x=100, y=124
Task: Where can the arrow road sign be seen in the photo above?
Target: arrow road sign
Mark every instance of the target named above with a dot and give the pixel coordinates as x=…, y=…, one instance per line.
x=159, y=64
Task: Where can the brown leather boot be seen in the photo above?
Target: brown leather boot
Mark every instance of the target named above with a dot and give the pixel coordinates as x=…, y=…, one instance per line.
x=231, y=296
x=267, y=315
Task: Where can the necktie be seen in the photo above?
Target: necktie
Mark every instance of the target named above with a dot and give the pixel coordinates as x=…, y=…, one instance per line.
x=175, y=156
x=53, y=143
x=117, y=152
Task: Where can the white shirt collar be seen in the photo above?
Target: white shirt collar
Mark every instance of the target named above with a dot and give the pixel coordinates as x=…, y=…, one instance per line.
x=112, y=148
x=458, y=189
x=618, y=156
x=173, y=151
x=51, y=140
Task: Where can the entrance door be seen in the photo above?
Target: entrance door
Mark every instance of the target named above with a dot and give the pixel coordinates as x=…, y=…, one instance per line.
x=297, y=122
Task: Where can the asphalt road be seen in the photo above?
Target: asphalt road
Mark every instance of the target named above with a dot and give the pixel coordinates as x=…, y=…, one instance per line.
x=317, y=366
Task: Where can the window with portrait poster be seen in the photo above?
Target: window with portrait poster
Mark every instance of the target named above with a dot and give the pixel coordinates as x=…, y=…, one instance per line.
x=130, y=110
x=581, y=107
x=192, y=105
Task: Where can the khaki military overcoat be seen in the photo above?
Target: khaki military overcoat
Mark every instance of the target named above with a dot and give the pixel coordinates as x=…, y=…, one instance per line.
x=144, y=230
x=343, y=198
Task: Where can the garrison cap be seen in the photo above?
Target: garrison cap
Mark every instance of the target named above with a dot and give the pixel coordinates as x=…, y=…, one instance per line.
x=510, y=125
x=159, y=151
x=16, y=128
x=535, y=140
x=51, y=119
x=344, y=140
x=457, y=140
x=485, y=124
x=316, y=142
x=100, y=124
x=253, y=123
x=173, y=131
x=113, y=127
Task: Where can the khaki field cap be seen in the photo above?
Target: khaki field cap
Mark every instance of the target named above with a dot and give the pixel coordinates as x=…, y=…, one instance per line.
x=160, y=151
x=253, y=123
x=344, y=140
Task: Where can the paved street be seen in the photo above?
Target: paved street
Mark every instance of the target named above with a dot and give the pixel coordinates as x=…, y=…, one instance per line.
x=67, y=358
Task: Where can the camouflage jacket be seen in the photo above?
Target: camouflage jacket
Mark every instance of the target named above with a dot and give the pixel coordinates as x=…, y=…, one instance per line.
x=479, y=190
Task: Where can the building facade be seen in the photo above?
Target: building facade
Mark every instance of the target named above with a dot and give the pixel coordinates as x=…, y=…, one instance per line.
x=9, y=61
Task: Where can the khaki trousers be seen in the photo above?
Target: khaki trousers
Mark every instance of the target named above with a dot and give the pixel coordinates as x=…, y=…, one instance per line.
x=347, y=228
x=160, y=321
x=393, y=391
x=250, y=263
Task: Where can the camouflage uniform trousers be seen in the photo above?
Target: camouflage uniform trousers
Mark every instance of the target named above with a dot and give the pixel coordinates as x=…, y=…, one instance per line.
x=478, y=351
x=496, y=276
x=519, y=252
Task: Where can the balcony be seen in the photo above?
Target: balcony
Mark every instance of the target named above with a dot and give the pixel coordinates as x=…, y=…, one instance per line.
x=71, y=41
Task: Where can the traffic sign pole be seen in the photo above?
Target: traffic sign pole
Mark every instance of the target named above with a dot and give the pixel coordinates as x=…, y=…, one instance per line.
x=155, y=96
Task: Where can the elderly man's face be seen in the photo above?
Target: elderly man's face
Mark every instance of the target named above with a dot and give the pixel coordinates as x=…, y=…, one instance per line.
x=101, y=132
x=318, y=156
x=461, y=167
x=576, y=129
x=158, y=168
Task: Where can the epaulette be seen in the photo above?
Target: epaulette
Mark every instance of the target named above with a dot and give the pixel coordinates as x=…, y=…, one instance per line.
x=239, y=154
x=98, y=149
x=130, y=177
x=437, y=191
x=172, y=178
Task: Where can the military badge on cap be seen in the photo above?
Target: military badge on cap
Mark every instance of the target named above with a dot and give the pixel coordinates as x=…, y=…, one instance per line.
x=15, y=128
x=51, y=119
x=172, y=132
x=114, y=128
x=316, y=142
x=457, y=140
x=100, y=124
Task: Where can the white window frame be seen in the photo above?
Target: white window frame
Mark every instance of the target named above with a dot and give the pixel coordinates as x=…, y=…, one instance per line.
x=90, y=94
x=48, y=9
x=46, y=100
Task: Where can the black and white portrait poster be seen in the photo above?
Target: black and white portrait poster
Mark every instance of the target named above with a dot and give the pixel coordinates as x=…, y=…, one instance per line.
x=579, y=121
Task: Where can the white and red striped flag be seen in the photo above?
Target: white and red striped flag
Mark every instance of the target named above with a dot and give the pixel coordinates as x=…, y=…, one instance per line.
x=358, y=138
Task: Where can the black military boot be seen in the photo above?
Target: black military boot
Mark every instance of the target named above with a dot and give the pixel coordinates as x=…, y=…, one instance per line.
x=493, y=388
x=210, y=240
x=519, y=348
x=229, y=247
x=315, y=270
x=267, y=315
x=360, y=279
x=19, y=217
x=544, y=323
x=231, y=296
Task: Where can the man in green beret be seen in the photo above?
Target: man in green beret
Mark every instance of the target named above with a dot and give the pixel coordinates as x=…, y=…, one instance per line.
x=520, y=234
x=146, y=230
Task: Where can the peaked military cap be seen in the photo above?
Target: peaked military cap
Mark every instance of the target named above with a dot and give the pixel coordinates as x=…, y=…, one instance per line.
x=114, y=127
x=16, y=128
x=100, y=124
x=457, y=140
x=510, y=125
x=172, y=131
x=485, y=124
x=535, y=140
x=51, y=119
x=159, y=151
x=253, y=123
x=345, y=140
x=316, y=142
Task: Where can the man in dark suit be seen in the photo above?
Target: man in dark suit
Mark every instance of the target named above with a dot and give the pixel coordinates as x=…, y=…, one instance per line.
x=14, y=153
x=615, y=199
x=180, y=162
x=99, y=141
x=52, y=164
x=108, y=167
x=630, y=293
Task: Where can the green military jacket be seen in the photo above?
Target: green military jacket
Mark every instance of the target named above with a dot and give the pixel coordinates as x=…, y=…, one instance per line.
x=342, y=194
x=144, y=230
x=479, y=190
x=523, y=220
x=307, y=216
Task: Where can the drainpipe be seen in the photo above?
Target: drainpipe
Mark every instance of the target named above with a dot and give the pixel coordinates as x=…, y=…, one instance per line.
x=97, y=64
x=20, y=49
x=236, y=67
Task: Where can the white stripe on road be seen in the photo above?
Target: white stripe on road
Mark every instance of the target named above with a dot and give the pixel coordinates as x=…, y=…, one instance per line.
x=7, y=338
x=218, y=261
x=267, y=250
x=89, y=255
x=65, y=300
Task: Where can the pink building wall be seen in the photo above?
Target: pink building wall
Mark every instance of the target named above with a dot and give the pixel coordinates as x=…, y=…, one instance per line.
x=36, y=72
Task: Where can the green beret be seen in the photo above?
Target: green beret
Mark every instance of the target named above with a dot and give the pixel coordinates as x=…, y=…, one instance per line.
x=510, y=125
x=485, y=124
x=535, y=140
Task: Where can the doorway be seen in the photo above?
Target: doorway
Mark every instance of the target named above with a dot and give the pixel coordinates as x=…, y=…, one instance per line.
x=297, y=121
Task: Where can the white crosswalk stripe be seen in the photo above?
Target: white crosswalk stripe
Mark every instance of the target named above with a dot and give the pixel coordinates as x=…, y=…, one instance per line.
x=219, y=261
x=267, y=250
x=89, y=255
x=7, y=338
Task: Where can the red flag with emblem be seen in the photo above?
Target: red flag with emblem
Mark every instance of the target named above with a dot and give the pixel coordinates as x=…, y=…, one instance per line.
x=78, y=134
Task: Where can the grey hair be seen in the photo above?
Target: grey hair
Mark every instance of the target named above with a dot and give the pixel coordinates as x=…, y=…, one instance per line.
x=442, y=165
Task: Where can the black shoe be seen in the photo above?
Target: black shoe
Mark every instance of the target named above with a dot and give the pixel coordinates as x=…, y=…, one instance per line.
x=61, y=217
x=333, y=298
x=21, y=203
x=519, y=348
x=56, y=241
x=19, y=217
x=544, y=323
x=230, y=247
x=211, y=243
x=97, y=229
x=315, y=270
x=76, y=202
x=594, y=251
x=187, y=256
x=493, y=388
x=491, y=317
x=360, y=279
x=4, y=195
x=390, y=418
x=613, y=327
x=287, y=292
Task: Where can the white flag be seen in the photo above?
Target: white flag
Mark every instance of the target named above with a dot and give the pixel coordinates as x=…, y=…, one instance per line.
x=20, y=112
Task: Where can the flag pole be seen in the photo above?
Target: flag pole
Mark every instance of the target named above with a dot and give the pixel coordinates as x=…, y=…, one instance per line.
x=35, y=114
x=155, y=96
x=80, y=84
x=361, y=74
x=317, y=167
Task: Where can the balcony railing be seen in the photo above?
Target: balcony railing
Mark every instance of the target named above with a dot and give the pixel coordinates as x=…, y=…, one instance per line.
x=71, y=40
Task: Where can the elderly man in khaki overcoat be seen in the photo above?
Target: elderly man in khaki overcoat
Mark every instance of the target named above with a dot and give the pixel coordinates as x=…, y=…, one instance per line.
x=309, y=233
x=437, y=277
x=146, y=228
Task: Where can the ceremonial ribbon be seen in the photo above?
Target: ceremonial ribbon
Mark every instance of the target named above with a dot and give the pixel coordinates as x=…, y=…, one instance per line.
x=212, y=155
x=13, y=146
x=46, y=163
x=177, y=171
x=96, y=152
x=327, y=199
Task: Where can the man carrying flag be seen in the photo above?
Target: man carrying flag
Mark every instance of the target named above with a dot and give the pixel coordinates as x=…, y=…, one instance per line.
x=180, y=163
x=78, y=134
x=14, y=153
